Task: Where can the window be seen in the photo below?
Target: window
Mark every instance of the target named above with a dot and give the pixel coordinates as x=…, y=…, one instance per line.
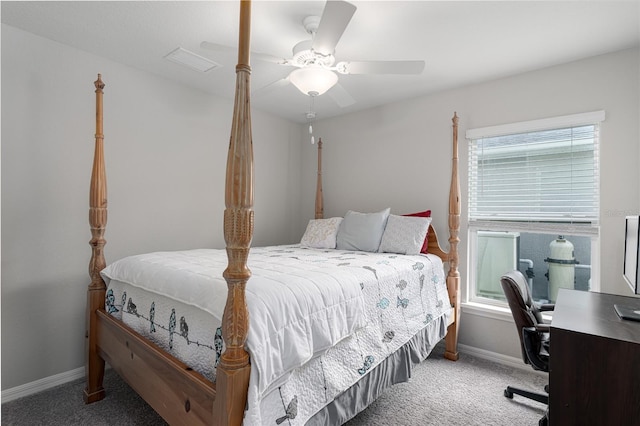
x=534, y=205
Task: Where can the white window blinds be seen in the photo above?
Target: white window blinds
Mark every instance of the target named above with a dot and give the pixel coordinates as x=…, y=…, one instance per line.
x=543, y=171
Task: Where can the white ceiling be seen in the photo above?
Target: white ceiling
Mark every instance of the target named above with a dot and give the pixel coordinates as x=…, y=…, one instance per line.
x=462, y=42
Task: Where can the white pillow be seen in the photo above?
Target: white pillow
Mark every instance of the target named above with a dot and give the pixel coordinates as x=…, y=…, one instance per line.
x=321, y=233
x=404, y=234
x=362, y=231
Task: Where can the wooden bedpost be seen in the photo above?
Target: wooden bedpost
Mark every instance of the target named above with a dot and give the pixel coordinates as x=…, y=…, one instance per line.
x=94, y=365
x=319, y=196
x=453, y=277
x=232, y=375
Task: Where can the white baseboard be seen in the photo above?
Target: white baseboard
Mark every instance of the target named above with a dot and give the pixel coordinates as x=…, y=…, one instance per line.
x=497, y=357
x=41, y=385
x=69, y=376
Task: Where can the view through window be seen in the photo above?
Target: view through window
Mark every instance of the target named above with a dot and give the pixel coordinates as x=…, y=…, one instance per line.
x=534, y=205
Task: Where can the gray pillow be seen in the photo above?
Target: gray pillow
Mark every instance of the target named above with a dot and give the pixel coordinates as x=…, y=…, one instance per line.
x=404, y=234
x=362, y=231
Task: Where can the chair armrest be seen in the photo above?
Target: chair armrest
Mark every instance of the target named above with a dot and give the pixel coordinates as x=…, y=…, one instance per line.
x=546, y=307
x=543, y=328
x=533, y=347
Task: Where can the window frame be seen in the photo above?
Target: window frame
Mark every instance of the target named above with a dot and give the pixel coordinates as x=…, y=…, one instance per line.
x=591, y=229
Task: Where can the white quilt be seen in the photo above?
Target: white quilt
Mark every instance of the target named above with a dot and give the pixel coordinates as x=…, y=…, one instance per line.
x=298, y=311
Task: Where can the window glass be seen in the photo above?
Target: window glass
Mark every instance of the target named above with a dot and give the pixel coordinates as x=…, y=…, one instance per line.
x=534, y=205
x=548, y=261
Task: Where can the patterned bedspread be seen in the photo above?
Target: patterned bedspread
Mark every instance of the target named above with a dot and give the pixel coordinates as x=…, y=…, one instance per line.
x=311, y=335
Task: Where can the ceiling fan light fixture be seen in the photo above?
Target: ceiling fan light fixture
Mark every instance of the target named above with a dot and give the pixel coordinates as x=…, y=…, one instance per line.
x=313, y=80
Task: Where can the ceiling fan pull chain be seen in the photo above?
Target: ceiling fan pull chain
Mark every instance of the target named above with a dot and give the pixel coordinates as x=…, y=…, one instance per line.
x=310, y=116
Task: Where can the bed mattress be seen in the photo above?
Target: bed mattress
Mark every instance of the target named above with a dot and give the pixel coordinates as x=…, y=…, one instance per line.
x=319, y=319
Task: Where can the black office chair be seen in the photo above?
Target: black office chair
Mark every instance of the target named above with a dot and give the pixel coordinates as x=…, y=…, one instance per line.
x=532, y=330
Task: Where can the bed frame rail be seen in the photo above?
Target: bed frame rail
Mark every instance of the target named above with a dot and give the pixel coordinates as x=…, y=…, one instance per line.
x=174, y=390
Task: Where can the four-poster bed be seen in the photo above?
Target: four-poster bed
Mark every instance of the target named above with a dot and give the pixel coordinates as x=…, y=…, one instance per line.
x=182, y=395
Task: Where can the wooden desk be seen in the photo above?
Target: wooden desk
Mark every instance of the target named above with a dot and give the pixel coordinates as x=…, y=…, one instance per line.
x=594, y=369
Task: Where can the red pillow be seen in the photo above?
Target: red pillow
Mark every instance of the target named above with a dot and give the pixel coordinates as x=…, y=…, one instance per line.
x=426, y=213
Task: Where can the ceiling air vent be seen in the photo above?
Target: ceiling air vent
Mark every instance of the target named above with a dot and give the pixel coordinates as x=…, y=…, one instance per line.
x=189, y=59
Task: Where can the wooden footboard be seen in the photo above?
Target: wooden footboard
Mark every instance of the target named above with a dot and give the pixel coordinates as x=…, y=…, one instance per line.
x=178, y=394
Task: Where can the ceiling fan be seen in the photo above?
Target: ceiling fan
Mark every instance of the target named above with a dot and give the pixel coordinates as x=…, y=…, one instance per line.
x=316, y=68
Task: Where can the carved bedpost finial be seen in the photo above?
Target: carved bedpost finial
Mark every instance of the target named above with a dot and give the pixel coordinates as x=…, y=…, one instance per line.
x=99, y=84
x=94, y=365
x=453, y=276
x=98, y=197
x=454, y=204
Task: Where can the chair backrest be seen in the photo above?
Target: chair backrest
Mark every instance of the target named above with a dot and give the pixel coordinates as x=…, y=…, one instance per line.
x=525, y=314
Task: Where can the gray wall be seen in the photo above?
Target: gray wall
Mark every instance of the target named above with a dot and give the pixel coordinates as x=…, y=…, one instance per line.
x=398, y=155
x=166, y=148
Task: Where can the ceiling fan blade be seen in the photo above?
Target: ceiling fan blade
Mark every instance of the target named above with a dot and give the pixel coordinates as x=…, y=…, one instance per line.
x=340, y=96
x=270, y=87
x=380, y=67
x=334, y=21
x=215, y=47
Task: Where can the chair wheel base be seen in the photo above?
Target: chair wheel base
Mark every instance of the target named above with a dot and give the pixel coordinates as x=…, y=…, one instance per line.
x=510, y=391
x=544, y=421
